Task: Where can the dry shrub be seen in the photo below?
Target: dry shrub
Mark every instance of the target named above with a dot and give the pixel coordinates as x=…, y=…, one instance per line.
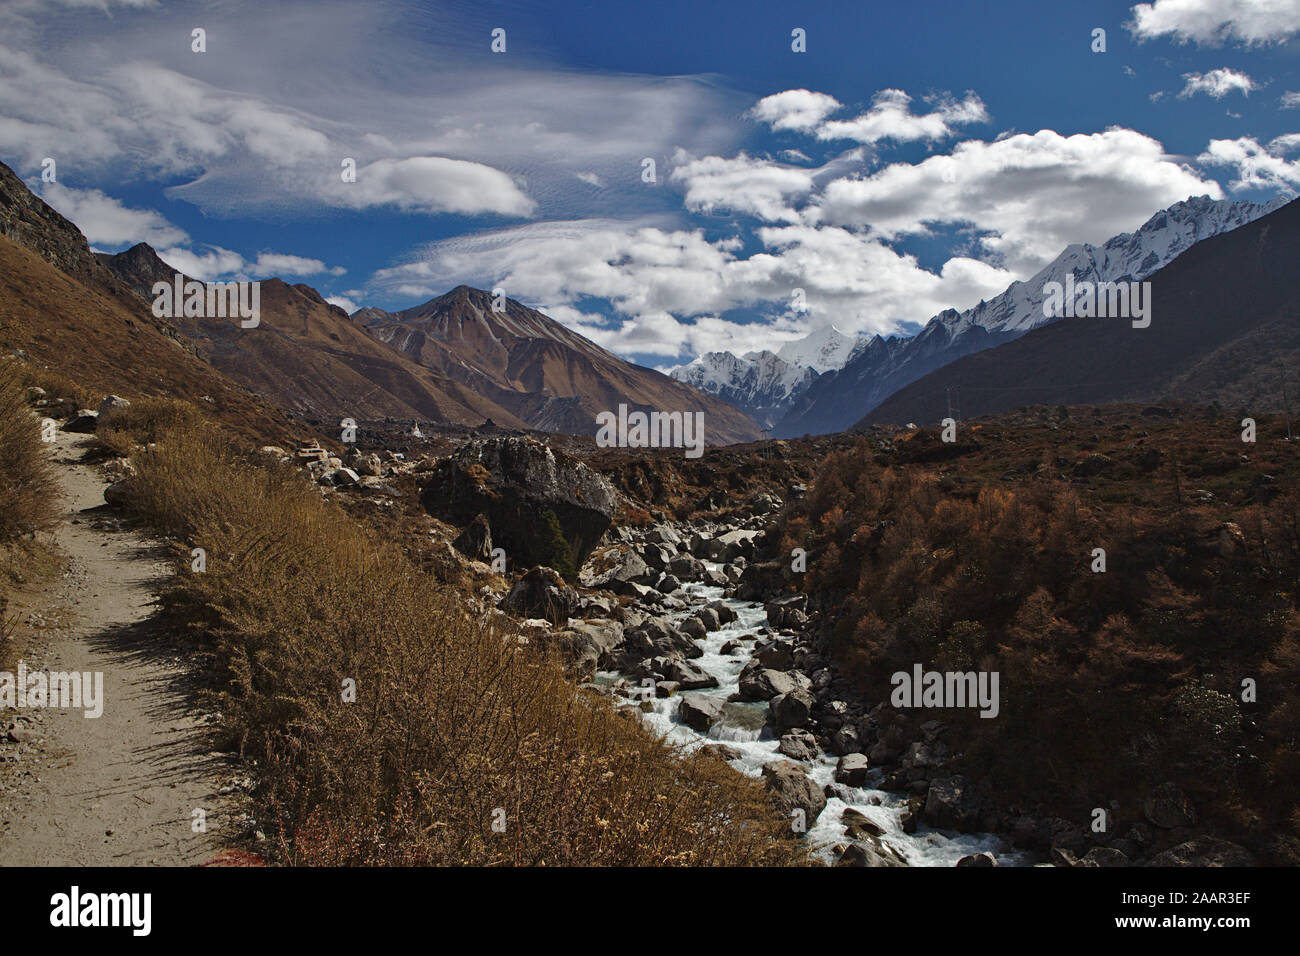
x=455, y=725
x=28, y=492
x=144, y=421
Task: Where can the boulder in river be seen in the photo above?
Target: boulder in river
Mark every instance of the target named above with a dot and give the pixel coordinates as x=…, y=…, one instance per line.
x=687, y=675
x=699, y=712
x=757, y=682
x=851, y=770
x=792, y=789
x=798, y=745
x=793, y=709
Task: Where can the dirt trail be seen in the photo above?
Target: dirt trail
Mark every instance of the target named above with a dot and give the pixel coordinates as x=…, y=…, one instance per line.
x=119, y=789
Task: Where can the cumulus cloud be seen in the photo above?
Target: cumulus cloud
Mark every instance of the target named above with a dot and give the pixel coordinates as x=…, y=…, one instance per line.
x=213, y=263
x=1290, y=100
x=754, y=186
x=105, y=221
x=1027, y=196
x=891, y=118
x=1217, y=83
x=800, y=110
x=1213, y=22
x=1256, y=165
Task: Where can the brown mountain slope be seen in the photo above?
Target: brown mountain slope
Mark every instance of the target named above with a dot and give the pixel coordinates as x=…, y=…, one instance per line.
x=106, y=341
x=547, y=375
x=1225, y=327
x=307, y=356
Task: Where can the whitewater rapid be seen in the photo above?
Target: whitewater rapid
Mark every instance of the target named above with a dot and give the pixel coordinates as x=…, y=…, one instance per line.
x=742, y=727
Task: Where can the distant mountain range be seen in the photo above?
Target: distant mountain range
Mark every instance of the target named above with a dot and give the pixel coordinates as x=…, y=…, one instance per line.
x=1225, y=328
x=765, y=384
x=452, y=360
x=798, y=397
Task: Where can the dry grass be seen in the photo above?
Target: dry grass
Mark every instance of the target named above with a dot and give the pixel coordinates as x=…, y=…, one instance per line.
x=144, y=421
x=27, y=487
x=455, y=726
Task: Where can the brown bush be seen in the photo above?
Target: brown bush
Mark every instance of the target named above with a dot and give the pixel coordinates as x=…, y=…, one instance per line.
x=28, y=492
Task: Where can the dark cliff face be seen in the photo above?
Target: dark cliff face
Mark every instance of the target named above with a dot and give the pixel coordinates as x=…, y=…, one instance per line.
x=513, y=481
x=28, y=221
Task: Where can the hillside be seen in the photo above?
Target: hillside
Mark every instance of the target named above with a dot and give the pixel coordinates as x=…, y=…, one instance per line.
x=307, y=356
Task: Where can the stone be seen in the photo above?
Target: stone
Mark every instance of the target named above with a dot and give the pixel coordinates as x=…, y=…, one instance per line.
x=1204, y=851
x=851, y=770
x=791, y=789
x=798, y=745
x=699, y=712
x=793, y=709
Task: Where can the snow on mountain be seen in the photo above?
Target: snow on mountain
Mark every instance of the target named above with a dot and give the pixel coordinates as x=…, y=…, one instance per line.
x=875, y=371
x=821, y=350
x=763, y=384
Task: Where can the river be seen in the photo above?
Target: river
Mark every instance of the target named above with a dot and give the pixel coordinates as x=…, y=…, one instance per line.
x=742, y=727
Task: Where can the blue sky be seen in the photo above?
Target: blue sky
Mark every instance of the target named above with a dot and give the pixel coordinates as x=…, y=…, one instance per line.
x=917, y=156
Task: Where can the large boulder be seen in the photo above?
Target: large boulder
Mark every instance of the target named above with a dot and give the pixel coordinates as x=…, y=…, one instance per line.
x=792, y=789
x=792, y=710
x=687, y=675
x=851, y=770
x=541, y=592
x=757, y=682
x=699, y=712
x=798, y=745
x=515, y=480
x=615, y=566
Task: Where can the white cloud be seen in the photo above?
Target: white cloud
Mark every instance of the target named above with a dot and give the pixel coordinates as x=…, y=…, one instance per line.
x=343, y=302
x=105, y=222
x=891, y=118
x=250, y=137
x=669, y=288
x=1028, y=195
x=1217, y=83
x=799, y=110
x=1290, y=100
x=1257, y=166
x=755, y=186
x=435, y=184
x=1212, y=22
